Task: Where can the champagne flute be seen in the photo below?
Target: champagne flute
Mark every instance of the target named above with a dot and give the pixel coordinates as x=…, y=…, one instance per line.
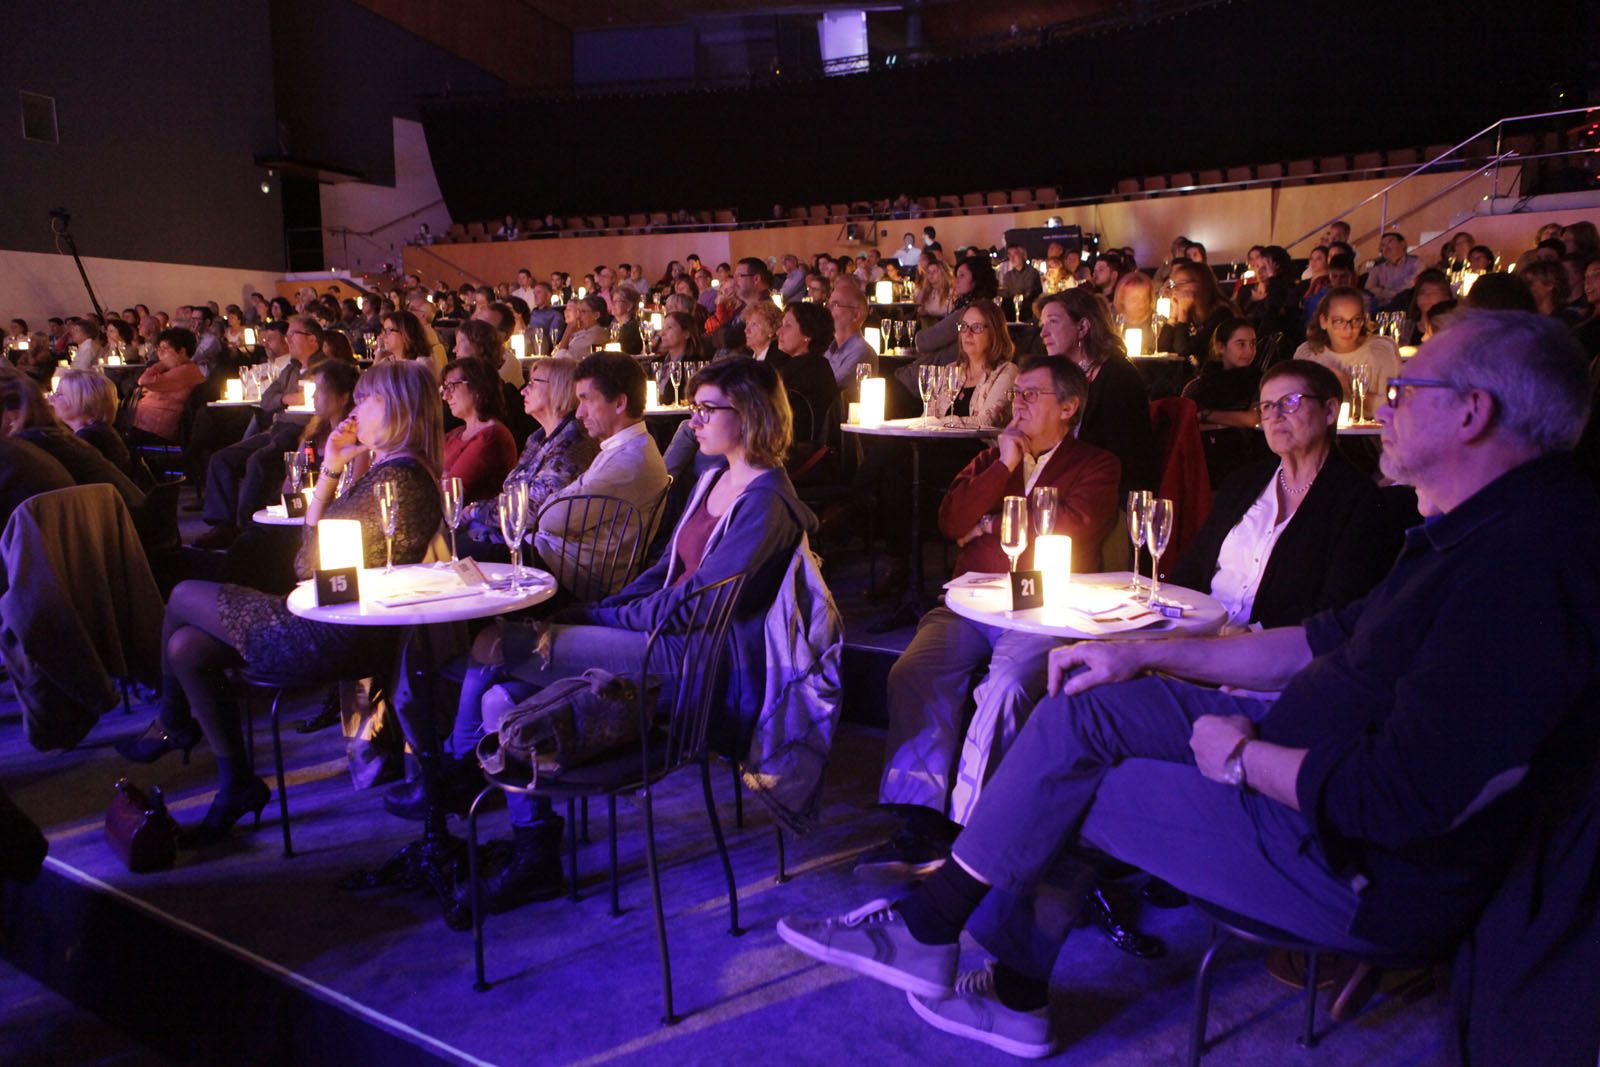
x=1138, y=503
x=453, y=505
x=389, y=517
x=1157, y=530
x=1360, y=376
x=1014, y=527
x=675, y=376
x=1042, y=505
x=927, y=386
x=862, y=371
x=513, y=518
x=292, y=471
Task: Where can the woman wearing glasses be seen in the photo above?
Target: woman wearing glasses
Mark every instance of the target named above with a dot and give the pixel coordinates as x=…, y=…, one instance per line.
x=402, y=338
x=987, y=369
x=743, y=518
x=480, y=451
x=1341, y=338
x=1300, y=532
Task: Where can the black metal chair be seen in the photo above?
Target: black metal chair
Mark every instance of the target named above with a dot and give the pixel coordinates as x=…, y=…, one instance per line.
x=667, y=744
x=279, y=688
x=1230, y=926
x=608, y=543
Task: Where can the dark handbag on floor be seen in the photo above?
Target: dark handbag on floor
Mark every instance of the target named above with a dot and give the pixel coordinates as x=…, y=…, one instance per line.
x=564, y=725
x=139, y=829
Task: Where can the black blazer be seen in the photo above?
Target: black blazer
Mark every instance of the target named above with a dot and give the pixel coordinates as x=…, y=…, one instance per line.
x=811, y=377
x=1116, y=417
x=1334, y=550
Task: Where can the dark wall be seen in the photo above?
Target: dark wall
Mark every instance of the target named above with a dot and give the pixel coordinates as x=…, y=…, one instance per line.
x=1256, y=80
x=342, y=73
x=162, y=108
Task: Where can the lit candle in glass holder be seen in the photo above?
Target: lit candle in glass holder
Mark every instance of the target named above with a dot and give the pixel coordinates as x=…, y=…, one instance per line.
x=874, y=337
x=1133, y=337
x=310, y=391
x=883, y=292
x=249, y=336
x=339, y=544
x=874, y=396
x=519, y=346
x=233, y=389
x=652, y=395
x=853, y=414
x=656, y=319
x=1052, y=557
x=1163, y=307
x=777, y=298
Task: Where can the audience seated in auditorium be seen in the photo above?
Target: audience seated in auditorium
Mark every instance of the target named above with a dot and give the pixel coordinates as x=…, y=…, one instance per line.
x=584, y=334
x=1390, y=277
x=1224, y=394
x=481, y=451
x=241, y=477
x=751, y=282
x=761, y=321
x=88, y=350
x=25, y=413
x=1020, y=284
x=847, y=303
x=938, y=343
x=680, y=342
x=744, y=518
x=800, y=357
x=1134, y=308
x=1198, y=307
x=1376, y=805
x=946, y=738
x=624, y=320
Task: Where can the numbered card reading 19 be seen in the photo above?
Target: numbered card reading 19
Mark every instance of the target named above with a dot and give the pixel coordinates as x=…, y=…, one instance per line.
x=1027, y=590
x=338, y=586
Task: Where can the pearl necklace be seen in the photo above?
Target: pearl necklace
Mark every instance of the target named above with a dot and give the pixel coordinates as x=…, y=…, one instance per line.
x=1285, y=483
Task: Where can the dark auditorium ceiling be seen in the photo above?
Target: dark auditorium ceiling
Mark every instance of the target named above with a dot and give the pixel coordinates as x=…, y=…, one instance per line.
x=610, y=14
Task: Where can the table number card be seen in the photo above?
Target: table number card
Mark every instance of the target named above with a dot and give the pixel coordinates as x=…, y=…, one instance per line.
x=341, y=585
x=294, y=505
x=1027, y=590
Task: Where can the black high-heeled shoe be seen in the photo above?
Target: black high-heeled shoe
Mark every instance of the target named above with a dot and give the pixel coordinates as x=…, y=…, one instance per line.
x=157, y=741
x=227, y=808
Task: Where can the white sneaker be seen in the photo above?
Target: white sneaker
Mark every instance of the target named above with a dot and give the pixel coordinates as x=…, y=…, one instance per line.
x=977, y=1014
x=874, y=941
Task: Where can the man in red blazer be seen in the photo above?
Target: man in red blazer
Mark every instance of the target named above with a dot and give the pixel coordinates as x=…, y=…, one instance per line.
x=945, y=737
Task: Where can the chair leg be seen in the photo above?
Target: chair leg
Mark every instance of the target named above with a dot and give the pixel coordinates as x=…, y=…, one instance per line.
x=283, y=786
x=479, y=983
x=248, y=705
x=669, y=1018
x=738, y=798
x=611, y=823
x=783, y=875
x=127, y=708
x=1202, y=998
x=572, y=847
x=1309, y=1038
x=722, y=848
x=583, y=820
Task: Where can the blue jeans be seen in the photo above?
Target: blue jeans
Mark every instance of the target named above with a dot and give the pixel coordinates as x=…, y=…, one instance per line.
x=1111, y=769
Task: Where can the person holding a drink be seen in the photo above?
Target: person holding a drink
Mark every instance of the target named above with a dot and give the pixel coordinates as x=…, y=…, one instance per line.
x=943, y=744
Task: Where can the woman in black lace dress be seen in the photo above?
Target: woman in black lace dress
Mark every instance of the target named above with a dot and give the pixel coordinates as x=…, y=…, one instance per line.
x=395, y=431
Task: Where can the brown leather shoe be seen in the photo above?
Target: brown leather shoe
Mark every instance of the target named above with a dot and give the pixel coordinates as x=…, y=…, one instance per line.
x=218, y=537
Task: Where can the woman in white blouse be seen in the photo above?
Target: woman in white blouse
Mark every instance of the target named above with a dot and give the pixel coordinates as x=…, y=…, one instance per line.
x=1300, y=532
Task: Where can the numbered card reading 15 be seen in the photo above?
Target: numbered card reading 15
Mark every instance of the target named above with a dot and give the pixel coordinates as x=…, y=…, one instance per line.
x=1027, y=590
x=338, y=586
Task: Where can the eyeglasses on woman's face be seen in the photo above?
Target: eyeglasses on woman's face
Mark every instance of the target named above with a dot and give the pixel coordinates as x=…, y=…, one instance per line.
x=448, y=387
x=704, y=412
x=1288, y=404
x=972, y=327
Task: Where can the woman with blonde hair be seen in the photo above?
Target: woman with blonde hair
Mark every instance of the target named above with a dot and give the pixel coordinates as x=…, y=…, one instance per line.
x=1134, y=304
x=935, y=290
x=396, y=435
x=87, y=402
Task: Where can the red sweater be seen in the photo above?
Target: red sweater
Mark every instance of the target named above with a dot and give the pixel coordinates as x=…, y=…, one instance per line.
x=481, y=463
x=1085, y=478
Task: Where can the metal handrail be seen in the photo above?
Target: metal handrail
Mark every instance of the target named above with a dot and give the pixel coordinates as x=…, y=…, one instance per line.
x=1496, y=127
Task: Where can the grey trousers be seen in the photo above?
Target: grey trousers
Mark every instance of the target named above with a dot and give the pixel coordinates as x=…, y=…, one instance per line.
x=942, y=745
x=1111, y=769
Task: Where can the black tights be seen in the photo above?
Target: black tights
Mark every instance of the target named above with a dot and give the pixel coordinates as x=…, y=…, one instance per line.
x=194, y=653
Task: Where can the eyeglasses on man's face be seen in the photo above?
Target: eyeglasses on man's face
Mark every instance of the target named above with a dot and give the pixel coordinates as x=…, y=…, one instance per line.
x=1287, y=404
x=1029, y=396
x=1397, y=387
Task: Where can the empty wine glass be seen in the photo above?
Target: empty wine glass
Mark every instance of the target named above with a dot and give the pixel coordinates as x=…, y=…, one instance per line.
x=1042, y=508
x=1137, y=504
x=513, y=519
x=389, y=517
x=927, y=385
x=955, y=379
x=453, y=505
x=675, y=376
x=1157, y=530
x=1014, y=527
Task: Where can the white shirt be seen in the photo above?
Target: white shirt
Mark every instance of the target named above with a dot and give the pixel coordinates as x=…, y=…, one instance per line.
x=526, y=295
x=1032, y=468
x=618, y=439
x=1242, y=560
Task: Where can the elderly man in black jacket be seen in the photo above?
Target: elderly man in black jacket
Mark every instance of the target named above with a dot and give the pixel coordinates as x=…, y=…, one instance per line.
x=1377, y=804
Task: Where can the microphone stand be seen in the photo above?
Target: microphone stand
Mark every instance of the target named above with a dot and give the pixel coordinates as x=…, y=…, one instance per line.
x=59, y=221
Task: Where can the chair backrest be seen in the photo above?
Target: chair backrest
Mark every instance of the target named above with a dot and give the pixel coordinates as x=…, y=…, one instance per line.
x=694, y=672
x=805, y=420
x=1184, y=481
x=158, y=519
x=604, y=554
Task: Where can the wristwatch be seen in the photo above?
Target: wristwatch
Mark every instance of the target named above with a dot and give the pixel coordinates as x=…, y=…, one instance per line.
x=1233, y=767
x=987, y=524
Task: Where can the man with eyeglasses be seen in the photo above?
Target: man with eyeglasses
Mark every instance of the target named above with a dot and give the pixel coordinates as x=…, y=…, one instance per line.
x=943, y=743
x=1020, y=283
x=752, y=281
x=847, y=303
x=240, y=479
x=1424, y=741
x=1391, y=277
x=584, y=334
